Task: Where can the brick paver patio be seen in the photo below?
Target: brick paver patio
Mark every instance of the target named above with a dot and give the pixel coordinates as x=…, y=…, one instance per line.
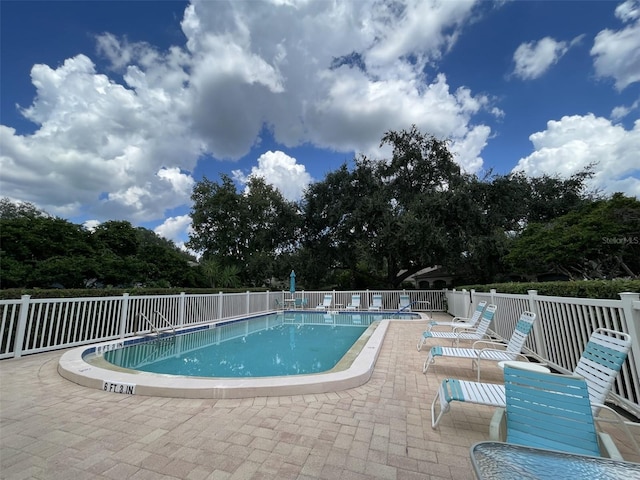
x=51, y=428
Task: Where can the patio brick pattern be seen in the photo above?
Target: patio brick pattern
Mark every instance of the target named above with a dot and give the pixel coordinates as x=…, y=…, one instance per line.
x=51, y=428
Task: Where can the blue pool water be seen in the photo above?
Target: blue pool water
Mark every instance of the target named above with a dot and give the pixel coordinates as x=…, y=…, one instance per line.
x=271, y=345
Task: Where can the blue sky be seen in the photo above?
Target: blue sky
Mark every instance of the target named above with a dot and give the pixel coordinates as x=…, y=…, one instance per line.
x=113, y=110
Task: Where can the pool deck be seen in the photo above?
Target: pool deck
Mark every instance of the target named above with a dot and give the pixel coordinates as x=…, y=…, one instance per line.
x=52, y=428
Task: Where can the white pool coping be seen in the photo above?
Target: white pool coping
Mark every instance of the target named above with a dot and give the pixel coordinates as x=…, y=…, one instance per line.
x=75, y=368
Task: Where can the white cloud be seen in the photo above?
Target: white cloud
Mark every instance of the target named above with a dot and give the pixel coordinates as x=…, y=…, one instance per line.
x=288, y=67
x=617, y=53
x=123, y=146
x=621, y=111
x=533, y=59
x=281, y=171
x=573, y=142
x=91, y=225
x=106, y=147
x=175, y=229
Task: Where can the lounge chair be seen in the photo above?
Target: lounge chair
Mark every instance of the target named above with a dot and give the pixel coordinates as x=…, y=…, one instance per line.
x=552, y=411
x=510, y=351
x=460, y=322
x=326, y=303
x=405, y=303
x=355, y=303
x=477, y=333
x=376, y=303
x=599, y=365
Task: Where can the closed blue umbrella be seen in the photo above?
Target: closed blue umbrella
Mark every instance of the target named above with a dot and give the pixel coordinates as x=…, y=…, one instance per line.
x=292, y=284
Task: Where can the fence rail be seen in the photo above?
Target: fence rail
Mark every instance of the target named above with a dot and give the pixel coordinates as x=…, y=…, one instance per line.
x=38, y=325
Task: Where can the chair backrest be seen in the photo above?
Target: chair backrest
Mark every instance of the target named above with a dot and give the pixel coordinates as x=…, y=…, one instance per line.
x=548, y=410
x=376, y=301
x=355, y=300
x=298, y=302
x=477, y=313
x=601, y=362
x=327, y=300
x=404, y=301
x=521, y=332
x=487, y=318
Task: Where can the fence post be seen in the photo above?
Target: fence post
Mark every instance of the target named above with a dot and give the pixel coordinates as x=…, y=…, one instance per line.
x=124, y=312
x=267, y=300
x=466, y=304
x=22, y=325
x=631, y=308
x=221, y=299
x=248, y=302
x=181, y=308
x=537, y=326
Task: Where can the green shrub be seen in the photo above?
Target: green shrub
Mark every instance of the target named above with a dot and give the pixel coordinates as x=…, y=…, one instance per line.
x=607, y=289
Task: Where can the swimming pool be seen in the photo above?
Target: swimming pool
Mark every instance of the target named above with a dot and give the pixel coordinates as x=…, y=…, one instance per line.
x=274, y=345
x=88, y=366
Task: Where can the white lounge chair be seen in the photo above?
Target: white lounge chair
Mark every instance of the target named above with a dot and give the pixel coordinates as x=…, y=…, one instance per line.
x=599, y=365
x=405, y=303
x=326, y=303
x=460, y=322
x=376, y=303
x=510, y=351
x=355, y=303
x=477, y=333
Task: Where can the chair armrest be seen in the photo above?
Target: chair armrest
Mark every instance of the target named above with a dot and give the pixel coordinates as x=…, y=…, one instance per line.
x=464, y=329
x=489, y=342
x=617, y=419
x=481, y=351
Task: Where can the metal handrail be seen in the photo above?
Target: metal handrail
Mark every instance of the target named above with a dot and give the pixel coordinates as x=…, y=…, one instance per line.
x=155, y=329
x=166, y=321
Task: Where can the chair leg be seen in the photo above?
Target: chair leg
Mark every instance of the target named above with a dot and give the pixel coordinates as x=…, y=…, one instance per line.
x=427, y=362
x=420, y=343
x=435, y=420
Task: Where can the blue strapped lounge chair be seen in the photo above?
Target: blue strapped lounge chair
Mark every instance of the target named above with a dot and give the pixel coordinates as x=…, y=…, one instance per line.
x=552, y=411
x=511, y=352
x=326, y=303
x=355, y=303
x=478, y=333
x=599, y=365
x=376, y=302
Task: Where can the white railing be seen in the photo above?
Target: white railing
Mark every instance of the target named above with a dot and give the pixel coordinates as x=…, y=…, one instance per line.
x=38, y=325
x=562, y=329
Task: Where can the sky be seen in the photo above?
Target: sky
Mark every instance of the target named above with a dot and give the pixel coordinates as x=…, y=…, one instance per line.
x=115, y=110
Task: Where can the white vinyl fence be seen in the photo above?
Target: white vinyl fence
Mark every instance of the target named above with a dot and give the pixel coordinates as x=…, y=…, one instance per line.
x=562, y=329
x=29, y=325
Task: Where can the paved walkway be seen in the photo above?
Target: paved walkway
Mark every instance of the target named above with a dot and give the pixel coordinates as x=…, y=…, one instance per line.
x=51, y=428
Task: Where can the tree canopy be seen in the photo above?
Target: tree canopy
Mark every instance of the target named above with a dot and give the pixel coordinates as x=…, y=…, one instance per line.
x=373, y=223
x=368, y=224
x=39, y=250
